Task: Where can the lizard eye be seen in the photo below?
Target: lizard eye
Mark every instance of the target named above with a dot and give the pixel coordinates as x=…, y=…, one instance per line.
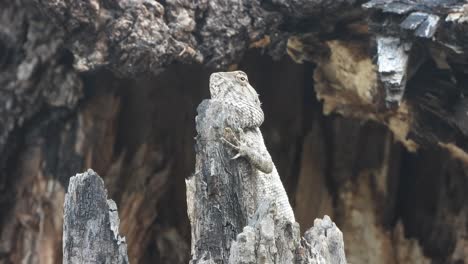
x=242, y=78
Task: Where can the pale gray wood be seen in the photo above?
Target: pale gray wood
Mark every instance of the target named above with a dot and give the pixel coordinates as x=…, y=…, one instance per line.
x=91, y=223
x=229, y=223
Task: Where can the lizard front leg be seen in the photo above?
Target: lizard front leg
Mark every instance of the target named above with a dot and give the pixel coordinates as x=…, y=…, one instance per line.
x=257, y=159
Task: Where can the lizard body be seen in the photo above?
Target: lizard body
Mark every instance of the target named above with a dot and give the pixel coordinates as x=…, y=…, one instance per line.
x=242, y=133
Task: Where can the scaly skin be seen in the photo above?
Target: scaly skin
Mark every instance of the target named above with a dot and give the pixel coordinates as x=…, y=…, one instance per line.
x=242, y=134
x=234, y=89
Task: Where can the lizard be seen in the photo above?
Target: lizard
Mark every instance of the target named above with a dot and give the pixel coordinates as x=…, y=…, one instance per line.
x=242, y=134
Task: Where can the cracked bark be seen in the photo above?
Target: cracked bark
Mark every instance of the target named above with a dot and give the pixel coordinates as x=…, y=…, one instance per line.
x=108, y=85
x=229, y=224
x=91, y=223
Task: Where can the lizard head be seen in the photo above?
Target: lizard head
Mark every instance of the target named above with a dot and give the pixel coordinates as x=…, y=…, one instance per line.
x=222, y=84
x=234, y=90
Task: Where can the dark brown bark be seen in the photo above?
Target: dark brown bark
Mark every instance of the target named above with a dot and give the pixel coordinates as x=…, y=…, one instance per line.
x=106, y=85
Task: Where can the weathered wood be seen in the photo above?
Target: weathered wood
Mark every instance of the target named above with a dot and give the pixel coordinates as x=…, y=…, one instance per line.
x=229, y=224
x=268, y=239
x=219, y=196
x=91, y=223
x=35, y=72
x=323, y=242
x=44, y=115
x=407, y=22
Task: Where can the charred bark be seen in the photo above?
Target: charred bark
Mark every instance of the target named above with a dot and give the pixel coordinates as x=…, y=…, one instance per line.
x=107, y=85
x=91, y=223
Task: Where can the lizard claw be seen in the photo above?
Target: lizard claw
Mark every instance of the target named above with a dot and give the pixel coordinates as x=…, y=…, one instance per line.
x=233, y=142
x=230, y=133
x=238, y=155
x=227, y=142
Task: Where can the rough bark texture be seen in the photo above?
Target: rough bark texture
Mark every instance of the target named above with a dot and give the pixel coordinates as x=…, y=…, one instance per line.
x=35, y=71
x=91, y=223
x=230, y=221
x=220, y=196
x=391, y=170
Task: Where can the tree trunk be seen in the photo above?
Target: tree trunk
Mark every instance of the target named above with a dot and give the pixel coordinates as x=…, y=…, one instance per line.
x=241, y=215
x=91, y=223
x=364, y=102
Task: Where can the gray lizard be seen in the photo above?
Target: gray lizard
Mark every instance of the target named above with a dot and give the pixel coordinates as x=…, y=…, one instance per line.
x=242, y=133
